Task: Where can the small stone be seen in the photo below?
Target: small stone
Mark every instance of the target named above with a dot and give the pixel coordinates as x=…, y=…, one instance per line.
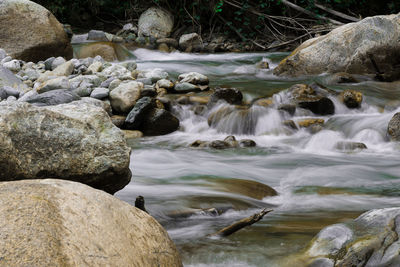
x=95, y=67
x=57, y=62
x=13, y=65
x=164, y=83
x=190, y=40
x=351, y=98
x=48, y=62
x=100, y=93
x=218, y=144
x=57, y=83
x=193, y=78
x=247, y=143
x=132, y=134
x=309, y=122
x=185, y=87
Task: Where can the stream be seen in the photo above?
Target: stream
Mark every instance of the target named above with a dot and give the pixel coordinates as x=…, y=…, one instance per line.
x=317, y=184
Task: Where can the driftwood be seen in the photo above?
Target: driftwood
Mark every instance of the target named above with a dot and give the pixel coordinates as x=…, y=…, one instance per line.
x=241, y=224
x=139, y=203
x=208, y=211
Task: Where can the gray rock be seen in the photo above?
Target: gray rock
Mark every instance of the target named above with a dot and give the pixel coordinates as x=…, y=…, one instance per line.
x=155, y=22
x=64, y=223
x=32, y=74
x=6, y=59
x=28, y=95
x=346, y=49
x=148, y=91
x=74, y=141
x=100, y=93
x=159, y=122
x=107, y=82
x=57, y=62
x=124, y=97
x=193, y=78
x=11, y=91
x=3, y=94
x=36, y=31
x=54, y=97
x=95, y=67
x=130, y=65
x=48, y=63
x=90, y=79
x=3, y=54
x=83, y=91
x=114, y=83
x=164, y=83
x=11, y=98
x=13, y=65
x=95, y=35
x=138, y=114
x=7, y=78
x=154, y=74
x=117, y=71
x=145, y=81
x=190, y=40
x=184, y=87
x=127, y=27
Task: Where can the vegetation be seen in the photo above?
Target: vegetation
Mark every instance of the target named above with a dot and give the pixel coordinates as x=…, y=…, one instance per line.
x=263, y=20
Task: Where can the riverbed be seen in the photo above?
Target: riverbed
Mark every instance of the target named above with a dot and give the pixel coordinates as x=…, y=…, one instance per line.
x=317, y=184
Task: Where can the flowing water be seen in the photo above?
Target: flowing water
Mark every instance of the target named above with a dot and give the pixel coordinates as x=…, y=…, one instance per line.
x=317, y=184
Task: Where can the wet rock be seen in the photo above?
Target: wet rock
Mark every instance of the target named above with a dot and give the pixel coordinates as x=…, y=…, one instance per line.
x=124, y=97
x=247, y=143
x=230, y=95
x=310, y=122
x=290, y=124
x=289, y=108
x=95, y=35
x=393, y=129
x=199, y=143
x=368, y=36
x=148, y=91
x=341, y=77
x=264, y=102
x=75, y=141
x=100, y=93
x=318, y=105
x=54, y=97
x=154, y=75
x=231, y=140
x=351, y=98
x=190, y=40
x=219, y=144
x=139, y=113
x=184, y=87
x=248, y=188
x=350, y=145
x=160, y=122
x=130, y=134
x=64, y=223
x=234, y=120
x=369, y=240
x=155, y=22
x=164, y=83
x=36, y=31
x=263, y=65
x=118, y=120
x=193, y=78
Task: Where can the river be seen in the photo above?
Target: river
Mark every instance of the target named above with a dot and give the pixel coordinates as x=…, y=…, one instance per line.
x=317, y=184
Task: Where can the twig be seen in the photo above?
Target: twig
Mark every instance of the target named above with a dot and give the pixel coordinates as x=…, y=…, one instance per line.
x=337, y=13
x=241, y=224
x=305, y=11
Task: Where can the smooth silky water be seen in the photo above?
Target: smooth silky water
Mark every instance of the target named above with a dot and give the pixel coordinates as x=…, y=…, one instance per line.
x=317, y=184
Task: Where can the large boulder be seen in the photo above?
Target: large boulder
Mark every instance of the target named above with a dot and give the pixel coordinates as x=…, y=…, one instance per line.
x=156, y=22
x=62, y=223
x=75, y=141
x=370, y=240
x=30, y=32
x=347, y=49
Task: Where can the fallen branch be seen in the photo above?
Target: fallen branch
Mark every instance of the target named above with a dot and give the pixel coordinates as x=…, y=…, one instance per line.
x=241, y=224
x=307, y=12
x=337, y=13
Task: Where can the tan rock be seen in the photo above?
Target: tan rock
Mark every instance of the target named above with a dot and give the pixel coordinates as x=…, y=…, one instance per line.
x=63, y=223
x=310, y=122
x=132, y=134
x=124, y=97
x=264, y=102
x=30, y=32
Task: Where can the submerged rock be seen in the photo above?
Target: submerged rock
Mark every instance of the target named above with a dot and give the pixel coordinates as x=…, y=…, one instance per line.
x=350, y=145
x=370, y=240
x=75, y=141
x=30, y=32
x=63, y=223
x=348, y=49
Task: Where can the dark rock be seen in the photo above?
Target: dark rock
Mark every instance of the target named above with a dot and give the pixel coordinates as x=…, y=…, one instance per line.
x=319, y=106
x=231, y=140
x=54, y=97
x=137, y=115
x=291, y=124
x=160, y=122
x=148, y=91
x=97, y=36
x=199, y=143
x=219, y=144
x=247, y=143
x=118, y=120
x=11, y=91
x=166, y=103
x=393, y=129
x=230, y=95
x=289, y=108
x=199, y=109
x=351, y=98
x=3, y=94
